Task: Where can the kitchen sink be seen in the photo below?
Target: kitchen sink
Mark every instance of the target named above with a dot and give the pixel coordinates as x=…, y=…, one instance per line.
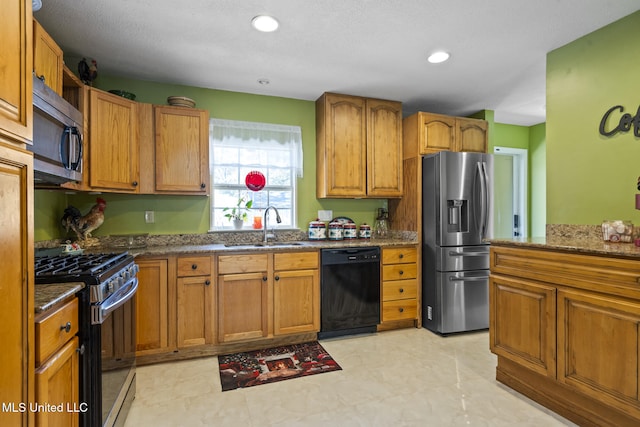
x=263, y=244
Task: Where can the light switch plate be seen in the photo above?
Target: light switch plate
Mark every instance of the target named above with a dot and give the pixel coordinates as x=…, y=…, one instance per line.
x=325, y=215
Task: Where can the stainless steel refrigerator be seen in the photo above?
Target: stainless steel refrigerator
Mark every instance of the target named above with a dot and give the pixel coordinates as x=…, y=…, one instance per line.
x=457, y=205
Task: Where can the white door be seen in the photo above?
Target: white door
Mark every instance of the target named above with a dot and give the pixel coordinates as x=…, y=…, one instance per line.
x=510, y=192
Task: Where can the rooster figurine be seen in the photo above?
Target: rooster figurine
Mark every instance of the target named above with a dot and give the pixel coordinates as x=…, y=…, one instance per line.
x=84, y=225
x=87, y=73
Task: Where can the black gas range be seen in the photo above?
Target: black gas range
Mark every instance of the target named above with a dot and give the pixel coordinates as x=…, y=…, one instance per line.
x=107, y=327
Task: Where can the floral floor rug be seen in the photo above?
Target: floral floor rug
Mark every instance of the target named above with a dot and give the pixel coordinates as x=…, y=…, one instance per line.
x=252, y=368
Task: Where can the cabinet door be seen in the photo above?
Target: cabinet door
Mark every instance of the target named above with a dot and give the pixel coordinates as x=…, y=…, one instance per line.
x=471, y=135
x=113, y=130
x=58, y=383
x=16, y=85
x=384, y=148
x=16, y=267
x=296, y=302
x=522, y=319
x=47, y=58
x=242, y=306
x=341, y=146
x=598, y=345
x=181, y=150
x=195, y=302
x=437, y=133
x=152, y=309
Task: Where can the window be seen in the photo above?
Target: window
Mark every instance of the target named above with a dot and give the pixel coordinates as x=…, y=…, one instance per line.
x=238, y=148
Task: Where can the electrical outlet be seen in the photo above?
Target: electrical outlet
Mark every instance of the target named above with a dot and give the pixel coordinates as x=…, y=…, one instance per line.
x=149, y=217
x=325, y=215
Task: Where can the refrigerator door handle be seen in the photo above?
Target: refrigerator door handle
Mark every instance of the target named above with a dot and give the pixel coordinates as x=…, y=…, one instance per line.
x=468, y=279
x=484, y=198
x=460, y=254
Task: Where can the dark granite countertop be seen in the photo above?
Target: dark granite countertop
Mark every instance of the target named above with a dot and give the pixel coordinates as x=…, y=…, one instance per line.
x=48, y=296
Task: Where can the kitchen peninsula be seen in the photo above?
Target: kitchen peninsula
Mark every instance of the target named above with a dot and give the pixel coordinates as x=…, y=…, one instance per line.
x=564, y=323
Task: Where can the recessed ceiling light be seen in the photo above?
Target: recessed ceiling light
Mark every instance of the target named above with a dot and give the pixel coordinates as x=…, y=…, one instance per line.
x=265, y=23
x=438, y=57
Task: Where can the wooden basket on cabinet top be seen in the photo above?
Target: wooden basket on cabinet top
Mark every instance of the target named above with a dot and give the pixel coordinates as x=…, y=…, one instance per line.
x=399, y=284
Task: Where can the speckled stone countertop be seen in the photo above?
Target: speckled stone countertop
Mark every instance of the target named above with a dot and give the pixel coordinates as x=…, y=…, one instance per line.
x=48, y=296
x=176, y=244
x=585, y=239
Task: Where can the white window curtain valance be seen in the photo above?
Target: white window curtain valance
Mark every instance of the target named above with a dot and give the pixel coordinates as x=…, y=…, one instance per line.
x=258, y=135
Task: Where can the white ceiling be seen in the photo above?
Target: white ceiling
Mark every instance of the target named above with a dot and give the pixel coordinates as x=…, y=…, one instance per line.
x=372, y=48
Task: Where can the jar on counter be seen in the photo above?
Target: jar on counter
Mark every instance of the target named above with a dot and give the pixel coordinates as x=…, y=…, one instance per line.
x=317, y=230
x=349, y=231
x=335, y=231
x=365, y=231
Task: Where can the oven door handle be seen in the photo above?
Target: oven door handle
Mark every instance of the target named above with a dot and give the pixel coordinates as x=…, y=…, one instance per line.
x=122, y=295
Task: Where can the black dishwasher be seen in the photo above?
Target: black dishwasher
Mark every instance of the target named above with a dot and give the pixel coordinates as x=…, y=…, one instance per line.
x=350, y=291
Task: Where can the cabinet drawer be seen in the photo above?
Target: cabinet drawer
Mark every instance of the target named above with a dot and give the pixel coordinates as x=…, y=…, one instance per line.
x=399, y=310
x=295, y=261
x=399, y=271
x=55, y=329
x=399, y=255
x=230, y=264
x=399, y=289
x=194, y=266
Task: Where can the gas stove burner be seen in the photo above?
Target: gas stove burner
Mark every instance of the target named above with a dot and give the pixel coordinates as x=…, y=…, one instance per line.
x=58, y=268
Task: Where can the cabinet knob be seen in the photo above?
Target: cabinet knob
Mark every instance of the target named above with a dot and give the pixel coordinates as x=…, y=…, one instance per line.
x=401, y=290
x=194, y=266
x=207, y=282
x=80, y=349
x=401, y=272
x=401, y=256
x=66, y=327
x=401, y=310
x=203, y=185
x=264, y=278
x=134, y=183
x=277, y=277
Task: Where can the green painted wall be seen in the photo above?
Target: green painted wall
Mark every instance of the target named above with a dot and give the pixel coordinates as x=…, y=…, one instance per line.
x=591, y=177
x=190, y=214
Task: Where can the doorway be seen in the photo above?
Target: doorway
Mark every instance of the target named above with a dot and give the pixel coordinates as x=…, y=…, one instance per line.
x=510, y=217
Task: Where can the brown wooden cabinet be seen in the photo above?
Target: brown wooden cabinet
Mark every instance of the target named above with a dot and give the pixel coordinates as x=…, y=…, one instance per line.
x=195, y=301
x=47, y=58
x=566, y=328
x=426, y=133
x=153, y=307
x=267, y=294
x=359, y=147
x=16, y=291
x=16, y=85
x=296, y=293
x=57, y=375
x=113, y=143
x=399, y=285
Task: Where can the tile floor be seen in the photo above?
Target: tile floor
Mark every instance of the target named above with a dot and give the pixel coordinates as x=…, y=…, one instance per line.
x=408, y=377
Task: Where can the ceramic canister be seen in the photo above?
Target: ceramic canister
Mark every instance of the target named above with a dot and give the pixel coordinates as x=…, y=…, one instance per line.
x=349, y=231
x=335, y=231
x=365, y=231
x=317, y=230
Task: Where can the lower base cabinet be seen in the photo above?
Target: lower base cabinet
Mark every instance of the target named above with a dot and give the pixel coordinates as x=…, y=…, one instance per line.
x=399, y=285
x=566, y=330
x=194, y=301
x=152, y=307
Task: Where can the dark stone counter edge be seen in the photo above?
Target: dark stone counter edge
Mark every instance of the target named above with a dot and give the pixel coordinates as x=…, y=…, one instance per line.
x=572, y=245
x=48, y=296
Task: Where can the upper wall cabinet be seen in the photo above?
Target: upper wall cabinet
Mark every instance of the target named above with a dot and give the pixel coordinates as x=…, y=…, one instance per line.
x=178, y=139
x=359, y=147
x=113, y=142
x=16, y=84
x=426, y=133
x=47, y=58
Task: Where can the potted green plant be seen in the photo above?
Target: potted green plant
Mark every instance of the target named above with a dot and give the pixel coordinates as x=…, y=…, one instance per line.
x=239, y=213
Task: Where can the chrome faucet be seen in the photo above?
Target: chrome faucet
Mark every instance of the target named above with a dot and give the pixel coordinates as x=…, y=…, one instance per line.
x=266, y=237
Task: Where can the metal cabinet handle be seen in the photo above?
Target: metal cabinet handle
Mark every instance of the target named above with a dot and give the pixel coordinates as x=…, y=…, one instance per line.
x=194, y=266
x=66, y=328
